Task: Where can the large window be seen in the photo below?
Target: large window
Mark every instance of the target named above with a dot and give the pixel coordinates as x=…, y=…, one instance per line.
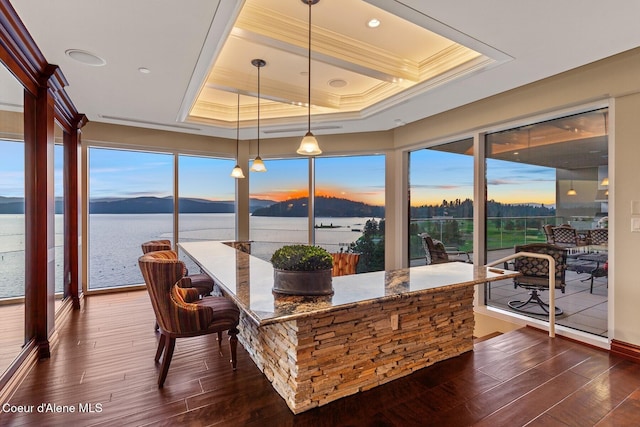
x=12, y=219
x=349, y=207
x=441, y=199
x=130, y=202
x=207, y=200
x=552, y=173
x=12, y=244
x=58, y=182
x=279, y=206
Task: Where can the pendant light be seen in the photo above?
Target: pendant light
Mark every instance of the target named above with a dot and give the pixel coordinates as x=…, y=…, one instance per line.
x=571, y=191
x=258, y=164
x=237, y=170
x=309, y=144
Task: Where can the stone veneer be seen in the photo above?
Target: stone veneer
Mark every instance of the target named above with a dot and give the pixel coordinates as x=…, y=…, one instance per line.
x=317, y=359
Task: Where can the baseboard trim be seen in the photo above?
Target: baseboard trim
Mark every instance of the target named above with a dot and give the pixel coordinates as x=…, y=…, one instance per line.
x=625, y=350
x=19, y=370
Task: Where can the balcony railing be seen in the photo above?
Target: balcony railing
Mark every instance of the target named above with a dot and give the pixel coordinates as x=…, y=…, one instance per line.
x=457, y=233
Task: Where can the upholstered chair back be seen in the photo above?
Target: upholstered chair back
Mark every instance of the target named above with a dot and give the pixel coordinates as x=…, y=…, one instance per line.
x=156, y=245
x=161, y=270
x=344, y=263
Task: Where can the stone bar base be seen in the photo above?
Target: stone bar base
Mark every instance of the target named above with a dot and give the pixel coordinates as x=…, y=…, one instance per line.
x=314, y=360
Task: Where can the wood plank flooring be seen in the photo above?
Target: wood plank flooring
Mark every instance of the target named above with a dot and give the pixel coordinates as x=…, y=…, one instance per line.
x=105, y=358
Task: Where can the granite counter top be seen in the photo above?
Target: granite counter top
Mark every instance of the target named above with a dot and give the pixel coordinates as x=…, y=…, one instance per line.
x=249, y=281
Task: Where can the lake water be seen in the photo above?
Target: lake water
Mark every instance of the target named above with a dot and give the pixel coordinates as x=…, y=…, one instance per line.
x=114, y=245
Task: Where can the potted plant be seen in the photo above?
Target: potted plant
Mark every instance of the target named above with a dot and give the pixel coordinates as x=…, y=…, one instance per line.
x=302, y=270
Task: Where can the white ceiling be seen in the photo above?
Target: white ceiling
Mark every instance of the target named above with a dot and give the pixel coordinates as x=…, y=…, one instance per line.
x=179, y=42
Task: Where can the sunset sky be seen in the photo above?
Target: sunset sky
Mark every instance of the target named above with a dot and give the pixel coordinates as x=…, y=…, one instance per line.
x=437, y=175
x=434, y=176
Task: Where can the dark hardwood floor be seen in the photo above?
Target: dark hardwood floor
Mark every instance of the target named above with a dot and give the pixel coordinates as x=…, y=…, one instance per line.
x=105, y=358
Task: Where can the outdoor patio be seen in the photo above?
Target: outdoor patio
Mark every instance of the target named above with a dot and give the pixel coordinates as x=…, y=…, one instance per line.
x=583, y=311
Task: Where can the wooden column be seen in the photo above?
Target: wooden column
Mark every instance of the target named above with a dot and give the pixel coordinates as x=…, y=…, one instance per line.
x=39, y=210
x=72, y=217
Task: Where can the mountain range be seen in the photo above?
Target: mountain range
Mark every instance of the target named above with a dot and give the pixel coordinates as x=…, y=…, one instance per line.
x=15, y=205
x=324, y=207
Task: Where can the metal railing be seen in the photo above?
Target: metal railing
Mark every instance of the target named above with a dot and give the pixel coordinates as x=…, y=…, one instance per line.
x=552, y=282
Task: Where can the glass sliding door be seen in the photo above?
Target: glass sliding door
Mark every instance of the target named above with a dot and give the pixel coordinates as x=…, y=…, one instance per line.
x=130, y=202
x=441, y=200
x=279, y=204
x=553, y=173
x=349, y=207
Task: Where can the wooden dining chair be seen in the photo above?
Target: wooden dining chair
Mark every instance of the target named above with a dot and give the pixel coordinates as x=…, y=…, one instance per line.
x=344, y=263
x=201, y=281
x=179, y=311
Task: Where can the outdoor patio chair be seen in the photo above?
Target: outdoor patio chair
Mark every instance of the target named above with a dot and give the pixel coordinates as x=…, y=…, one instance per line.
x=437, y=253
x=548, y=233
x=535, y=275
x=567, y=236
x=599, y=236
x=179, y=313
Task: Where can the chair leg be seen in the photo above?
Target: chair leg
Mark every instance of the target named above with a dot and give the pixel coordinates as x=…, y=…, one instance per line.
x=534, y=299
x=161, y=345
x=220, y=342
x=233, y=345
x=166, y=361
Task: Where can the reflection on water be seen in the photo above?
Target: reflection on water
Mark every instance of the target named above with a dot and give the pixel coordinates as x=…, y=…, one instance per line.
x=114, y=242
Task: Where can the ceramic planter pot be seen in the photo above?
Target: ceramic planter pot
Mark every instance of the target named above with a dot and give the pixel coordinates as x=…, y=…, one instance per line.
x=316, y=282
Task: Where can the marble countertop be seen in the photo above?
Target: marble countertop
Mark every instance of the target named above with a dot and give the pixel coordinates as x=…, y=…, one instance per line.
x=248, y=280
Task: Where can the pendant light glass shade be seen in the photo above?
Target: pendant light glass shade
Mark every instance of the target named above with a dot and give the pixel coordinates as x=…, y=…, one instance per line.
x=258, y=164
x=237, y=170
x=309, y=145
x=571, y=191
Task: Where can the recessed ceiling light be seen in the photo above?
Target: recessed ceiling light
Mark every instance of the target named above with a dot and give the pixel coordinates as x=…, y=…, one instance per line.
x=144, y=70
x=337, y=83
x=85, y=57
x=373, y=23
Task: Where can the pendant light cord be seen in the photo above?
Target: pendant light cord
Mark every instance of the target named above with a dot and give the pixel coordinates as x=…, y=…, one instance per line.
x=259, y=110
x=309, y=75
x=238, y=130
